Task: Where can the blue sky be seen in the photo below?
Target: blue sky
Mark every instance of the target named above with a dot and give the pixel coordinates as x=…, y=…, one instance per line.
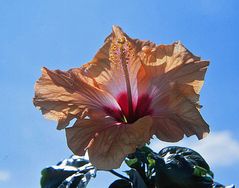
x=61, y=34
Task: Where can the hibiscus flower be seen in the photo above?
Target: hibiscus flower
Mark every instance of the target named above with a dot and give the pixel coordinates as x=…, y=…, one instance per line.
x=130, y=91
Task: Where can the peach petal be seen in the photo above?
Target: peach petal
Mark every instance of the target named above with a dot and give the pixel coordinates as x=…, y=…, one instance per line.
x=172, y=64
x=174, y=76
x=167, y=129
x=178, y=117
x=83, y=131
x=62, y=96
x=110, y=147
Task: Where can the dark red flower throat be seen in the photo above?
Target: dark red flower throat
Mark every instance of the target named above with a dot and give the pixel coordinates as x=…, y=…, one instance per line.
x=141, y=108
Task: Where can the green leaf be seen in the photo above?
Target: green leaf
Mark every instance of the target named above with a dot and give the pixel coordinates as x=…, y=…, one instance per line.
x=121, y=183
x=74, y=172
x=151, y=161
x=131, y=162
x=175, y=167
x=202, y=172
x=172, y=167
x=146, y=150
x=138, y=181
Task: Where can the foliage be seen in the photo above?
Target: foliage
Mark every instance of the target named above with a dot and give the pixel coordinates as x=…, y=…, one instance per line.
x=174, y=166
x=74, y=172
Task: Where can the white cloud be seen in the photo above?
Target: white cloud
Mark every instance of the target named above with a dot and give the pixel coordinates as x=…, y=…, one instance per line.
x=4, y=175
x=218, y=148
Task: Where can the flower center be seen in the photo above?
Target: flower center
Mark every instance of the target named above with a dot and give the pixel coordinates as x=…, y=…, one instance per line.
x=141, y=108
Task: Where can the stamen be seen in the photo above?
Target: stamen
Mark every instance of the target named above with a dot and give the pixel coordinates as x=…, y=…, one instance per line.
x=120, y=53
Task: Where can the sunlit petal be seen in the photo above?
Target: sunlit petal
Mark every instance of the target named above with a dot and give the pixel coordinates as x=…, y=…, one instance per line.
x=62, y=96
x=173, y=77
x=175, y=116
x=167, y=64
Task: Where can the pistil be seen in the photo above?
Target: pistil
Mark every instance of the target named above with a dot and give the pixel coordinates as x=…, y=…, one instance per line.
x=120, y=52
x=126, y=75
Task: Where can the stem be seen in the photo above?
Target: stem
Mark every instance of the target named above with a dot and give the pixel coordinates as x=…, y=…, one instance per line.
x=119, y=175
